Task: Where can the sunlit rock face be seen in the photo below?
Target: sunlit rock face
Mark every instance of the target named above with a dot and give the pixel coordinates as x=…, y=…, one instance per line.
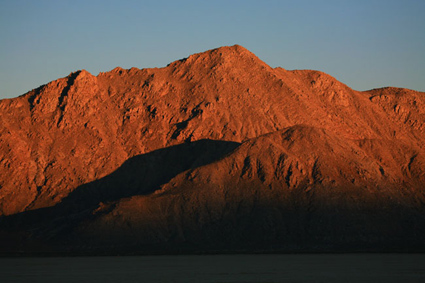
x=215, y=152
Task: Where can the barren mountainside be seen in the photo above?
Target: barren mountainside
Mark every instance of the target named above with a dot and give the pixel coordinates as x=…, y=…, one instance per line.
x=214, y=152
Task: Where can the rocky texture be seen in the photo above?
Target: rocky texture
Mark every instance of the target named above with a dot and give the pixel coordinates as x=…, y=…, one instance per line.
x=215, y=152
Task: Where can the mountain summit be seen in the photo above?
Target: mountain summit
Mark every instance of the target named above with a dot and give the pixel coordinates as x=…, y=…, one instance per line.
x=217, y=152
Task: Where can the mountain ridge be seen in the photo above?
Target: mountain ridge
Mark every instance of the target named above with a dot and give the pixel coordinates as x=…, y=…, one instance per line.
x=291, y=145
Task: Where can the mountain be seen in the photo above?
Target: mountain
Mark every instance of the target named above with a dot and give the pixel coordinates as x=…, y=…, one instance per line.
x=217, y=152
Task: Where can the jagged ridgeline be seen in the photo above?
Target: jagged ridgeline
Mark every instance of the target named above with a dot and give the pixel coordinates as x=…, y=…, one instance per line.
x=217, y=152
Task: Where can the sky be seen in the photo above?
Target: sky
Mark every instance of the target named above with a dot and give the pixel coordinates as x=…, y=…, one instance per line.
x=363, y=43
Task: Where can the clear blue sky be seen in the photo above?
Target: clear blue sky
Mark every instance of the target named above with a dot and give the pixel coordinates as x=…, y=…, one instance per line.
x=363, y=43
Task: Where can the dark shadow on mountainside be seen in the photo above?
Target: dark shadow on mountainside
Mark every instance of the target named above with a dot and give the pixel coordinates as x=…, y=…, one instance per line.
x=139, y=175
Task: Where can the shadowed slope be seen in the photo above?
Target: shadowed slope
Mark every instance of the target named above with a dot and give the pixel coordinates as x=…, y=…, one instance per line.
x=143, y=174
x=140, y=175
x=299, y=189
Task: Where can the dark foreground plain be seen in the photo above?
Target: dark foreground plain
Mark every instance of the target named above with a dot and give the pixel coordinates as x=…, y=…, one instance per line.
x=218, y=268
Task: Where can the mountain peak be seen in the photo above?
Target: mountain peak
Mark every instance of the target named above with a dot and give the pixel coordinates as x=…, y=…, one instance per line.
x=235, y=52
x=225, y=57
x=232, y=49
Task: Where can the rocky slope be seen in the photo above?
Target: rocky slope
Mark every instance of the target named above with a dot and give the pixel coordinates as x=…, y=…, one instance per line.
x=215, y=152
